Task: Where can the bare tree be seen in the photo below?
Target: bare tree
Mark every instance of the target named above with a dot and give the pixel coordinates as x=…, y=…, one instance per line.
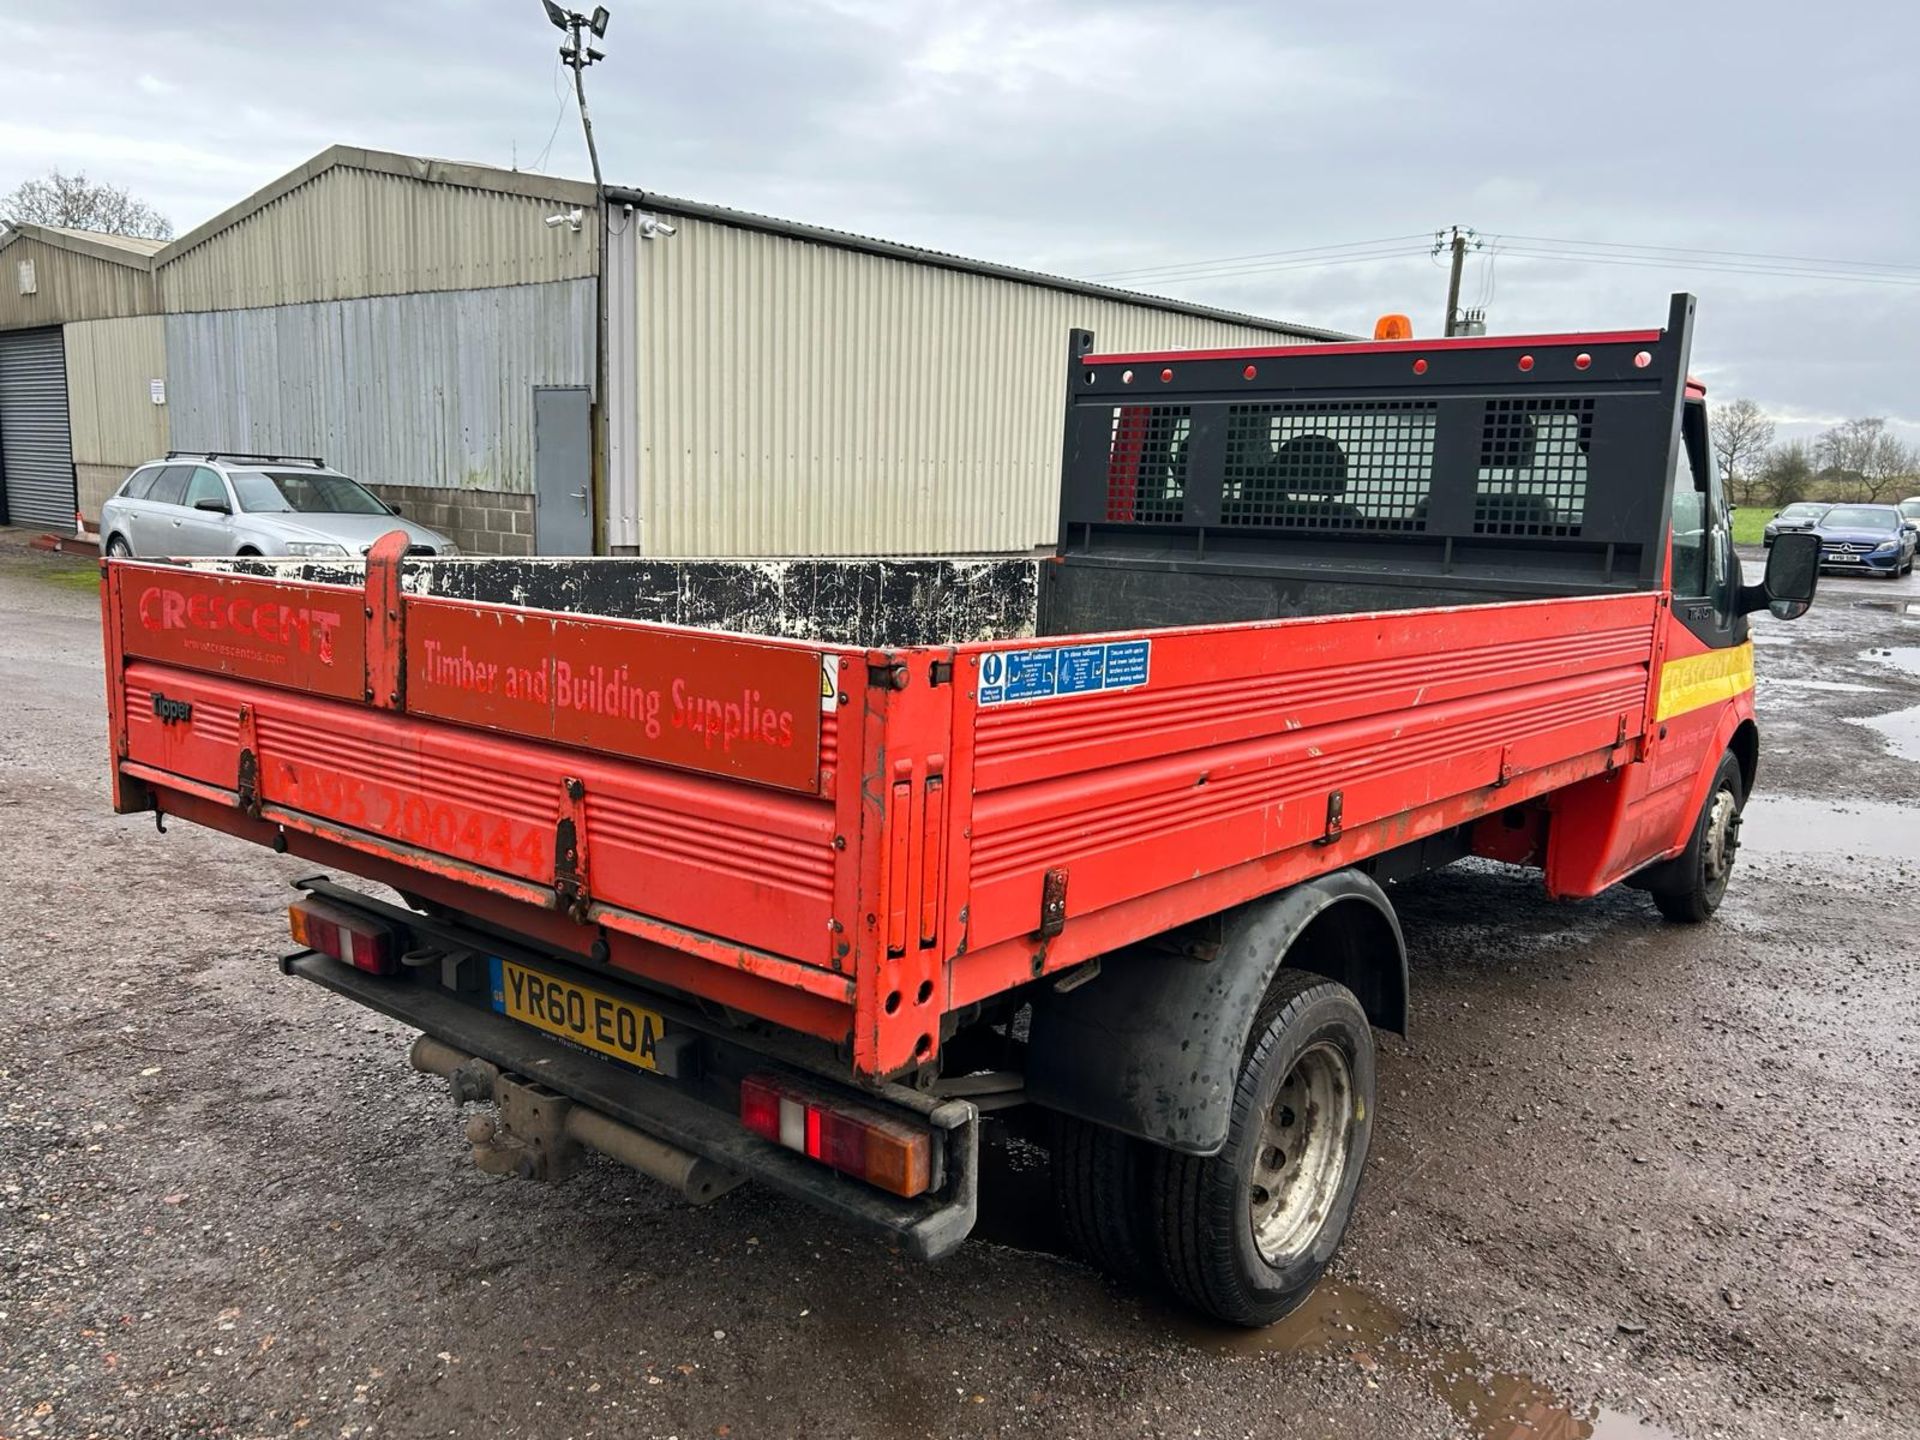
x=80, y=204
x=1902, y=472
x=1786, y=474
x=1863, y=457
x=1742, y=435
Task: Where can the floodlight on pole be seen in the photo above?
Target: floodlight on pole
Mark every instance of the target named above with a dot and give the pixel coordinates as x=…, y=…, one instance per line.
x=577, y=55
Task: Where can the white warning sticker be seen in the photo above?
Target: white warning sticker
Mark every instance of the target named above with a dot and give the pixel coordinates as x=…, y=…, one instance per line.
x=829, y=682
x=1007, y=676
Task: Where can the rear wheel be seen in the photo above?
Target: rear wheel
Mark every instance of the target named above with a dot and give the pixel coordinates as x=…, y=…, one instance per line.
x=1703, y=869
x=1245, y=1234
x=1099, y=1179
x=118, y=549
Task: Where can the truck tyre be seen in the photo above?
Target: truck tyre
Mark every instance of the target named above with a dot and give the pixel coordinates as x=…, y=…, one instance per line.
x=1099, y=1178
x=1244, y=1235
x=1703, y=868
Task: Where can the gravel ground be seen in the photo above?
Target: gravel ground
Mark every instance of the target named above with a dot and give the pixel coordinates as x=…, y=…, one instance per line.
x=1629, y=1179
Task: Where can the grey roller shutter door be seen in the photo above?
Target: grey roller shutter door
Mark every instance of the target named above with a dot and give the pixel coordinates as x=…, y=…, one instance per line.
x=36, y=447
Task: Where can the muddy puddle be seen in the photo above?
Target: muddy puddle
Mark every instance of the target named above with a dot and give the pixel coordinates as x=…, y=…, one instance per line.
x=1824, y=687
x=1792, y=825
x=1346, y=1322
x=1901, y=731
x=1338, y=1320
x=1910, y=608
x=1900, y=728
x=1900, y=657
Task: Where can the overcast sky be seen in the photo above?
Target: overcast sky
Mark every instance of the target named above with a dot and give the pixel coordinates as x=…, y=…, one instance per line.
x=1095, y=137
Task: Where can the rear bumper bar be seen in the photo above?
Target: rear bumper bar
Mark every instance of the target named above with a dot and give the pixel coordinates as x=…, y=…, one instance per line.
x=926, y=1228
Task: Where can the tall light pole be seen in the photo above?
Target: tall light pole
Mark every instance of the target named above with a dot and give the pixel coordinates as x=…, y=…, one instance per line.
x=578, y=54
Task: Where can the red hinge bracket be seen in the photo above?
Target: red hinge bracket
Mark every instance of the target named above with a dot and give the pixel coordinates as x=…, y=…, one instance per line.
x=247, y=781
x=386, y=617
x=1336, y=805
x=1053, y=904
x=570, y=889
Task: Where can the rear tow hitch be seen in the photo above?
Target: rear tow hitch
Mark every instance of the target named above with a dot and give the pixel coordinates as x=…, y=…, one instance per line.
x=538, y=1134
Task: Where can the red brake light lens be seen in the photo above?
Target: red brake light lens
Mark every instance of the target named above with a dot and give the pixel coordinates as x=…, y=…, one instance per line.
x=351, y=939
x=893, y=1154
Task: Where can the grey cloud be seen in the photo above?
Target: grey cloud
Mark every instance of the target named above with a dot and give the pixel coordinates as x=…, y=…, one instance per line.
x=1104, y=136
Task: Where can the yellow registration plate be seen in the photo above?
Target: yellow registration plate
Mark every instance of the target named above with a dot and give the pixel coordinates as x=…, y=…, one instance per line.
x=574, y=1012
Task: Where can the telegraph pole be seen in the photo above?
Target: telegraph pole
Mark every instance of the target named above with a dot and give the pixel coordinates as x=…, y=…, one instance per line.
x=1460, y=239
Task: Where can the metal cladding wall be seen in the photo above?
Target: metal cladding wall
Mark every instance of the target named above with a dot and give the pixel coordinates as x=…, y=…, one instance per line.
x=111, y=367
x=431, y=389
x=68, y=286
x=347, y=233
x=799, y=398
x=36, y=462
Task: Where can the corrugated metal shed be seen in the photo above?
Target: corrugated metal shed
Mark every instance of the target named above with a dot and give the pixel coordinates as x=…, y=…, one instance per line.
x=111, y=367
x=428, y=389
x=800, y=396
x=355, y=223
x=72, y=275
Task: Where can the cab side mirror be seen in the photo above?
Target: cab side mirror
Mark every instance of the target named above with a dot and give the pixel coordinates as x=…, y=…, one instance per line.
x=1793, y=573
x=218, y=507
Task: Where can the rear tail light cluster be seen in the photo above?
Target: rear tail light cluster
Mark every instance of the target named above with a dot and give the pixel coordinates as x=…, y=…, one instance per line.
x=870, y=1146
x=349, y=938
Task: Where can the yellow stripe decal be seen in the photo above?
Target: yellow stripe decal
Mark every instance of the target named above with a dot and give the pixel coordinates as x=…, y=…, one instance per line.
x=1704, y=680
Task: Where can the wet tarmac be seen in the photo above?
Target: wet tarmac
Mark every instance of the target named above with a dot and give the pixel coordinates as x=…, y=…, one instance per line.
x=1340, y=1322
x=1628, y=1180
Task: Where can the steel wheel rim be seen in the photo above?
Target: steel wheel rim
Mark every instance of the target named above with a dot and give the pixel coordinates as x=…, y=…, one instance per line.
x=1723, y=828
x=1304, y=1141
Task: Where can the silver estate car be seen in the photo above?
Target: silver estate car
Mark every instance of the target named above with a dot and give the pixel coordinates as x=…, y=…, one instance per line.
x=231, y=504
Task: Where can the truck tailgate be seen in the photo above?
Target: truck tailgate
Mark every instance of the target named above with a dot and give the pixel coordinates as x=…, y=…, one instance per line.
x=676, y=786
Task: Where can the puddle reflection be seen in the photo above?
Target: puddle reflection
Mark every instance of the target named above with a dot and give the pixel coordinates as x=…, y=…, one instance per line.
x=1342, y=1319
x=1791, y=825
x=1337, y=1319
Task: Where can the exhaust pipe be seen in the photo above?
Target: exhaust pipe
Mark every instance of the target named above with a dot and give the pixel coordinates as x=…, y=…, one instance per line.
x=549, y=1125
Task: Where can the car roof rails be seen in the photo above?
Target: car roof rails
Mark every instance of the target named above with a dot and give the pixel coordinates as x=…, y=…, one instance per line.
x=314, y=460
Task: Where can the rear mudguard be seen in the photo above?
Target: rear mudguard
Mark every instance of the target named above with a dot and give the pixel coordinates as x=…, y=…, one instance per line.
x=1152, y=1046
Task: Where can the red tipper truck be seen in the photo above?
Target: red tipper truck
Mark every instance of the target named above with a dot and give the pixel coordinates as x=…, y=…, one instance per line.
x=791, y=870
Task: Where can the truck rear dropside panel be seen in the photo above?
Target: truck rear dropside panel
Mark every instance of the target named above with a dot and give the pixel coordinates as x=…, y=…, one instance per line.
x=857, y=840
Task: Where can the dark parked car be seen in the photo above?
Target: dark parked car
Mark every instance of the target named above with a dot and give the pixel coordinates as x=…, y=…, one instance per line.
x=1801, y=515
x=1866, y=537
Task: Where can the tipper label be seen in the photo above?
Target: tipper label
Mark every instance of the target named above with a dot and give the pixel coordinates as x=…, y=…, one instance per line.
x=1062, y=670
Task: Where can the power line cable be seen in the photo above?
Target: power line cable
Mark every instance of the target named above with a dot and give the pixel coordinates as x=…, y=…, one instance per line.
x=1154, y=270
x=540, y=164
x=1599, y=252
x=1404, y=252
x=1903, y=282
x=1612, y=245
